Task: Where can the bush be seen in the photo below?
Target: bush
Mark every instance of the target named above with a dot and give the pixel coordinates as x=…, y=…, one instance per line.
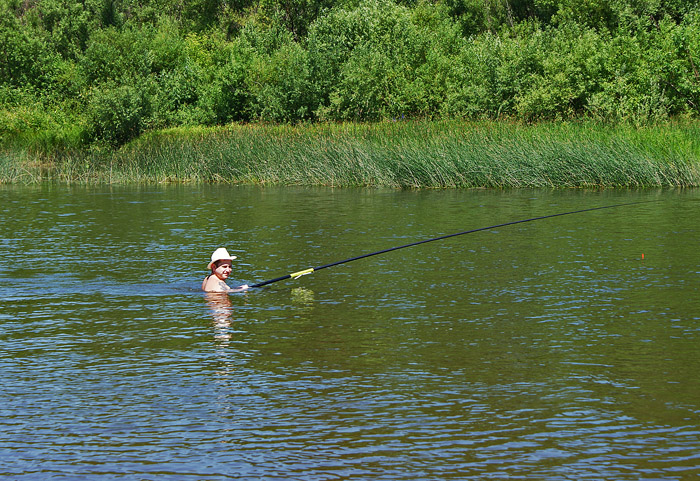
x=68, y=24
x=175, y=97
x=38, y=124
x=132, y=66
x=119, y=55
x=472, y=87
x=676, y=58
x=227, y=97
x=26, y=59
x=382, y=61
x=117, y=114
x=278, y=85
x=630, y=88
x=567, y=73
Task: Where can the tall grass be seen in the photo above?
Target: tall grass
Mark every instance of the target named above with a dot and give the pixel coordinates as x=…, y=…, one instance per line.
x=395, y=154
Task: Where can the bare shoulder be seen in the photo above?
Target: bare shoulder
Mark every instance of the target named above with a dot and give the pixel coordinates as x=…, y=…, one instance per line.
x=212, y=284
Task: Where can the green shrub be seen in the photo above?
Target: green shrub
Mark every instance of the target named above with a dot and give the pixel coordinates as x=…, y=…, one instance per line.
x=630, y=88
x=117, y=114
x=118, y=55
x=471, y=87
x=26, y=59
x=675, y=56
x=568, y=72
x=382, y=61
x=176, y=95
x=37, y=124
x=227, y=97
x=68, y=25
x=132, y=66
x=278, y=85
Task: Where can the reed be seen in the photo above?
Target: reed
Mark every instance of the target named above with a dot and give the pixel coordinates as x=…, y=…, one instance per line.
x=446, y=154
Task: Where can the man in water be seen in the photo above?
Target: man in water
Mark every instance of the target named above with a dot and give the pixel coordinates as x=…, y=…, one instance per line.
x=220, y=266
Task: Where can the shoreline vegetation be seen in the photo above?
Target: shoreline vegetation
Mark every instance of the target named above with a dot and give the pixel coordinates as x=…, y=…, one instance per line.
x=400, y=93
x=407, y=154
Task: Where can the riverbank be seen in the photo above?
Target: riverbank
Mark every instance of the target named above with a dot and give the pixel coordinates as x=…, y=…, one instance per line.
x=389, y=154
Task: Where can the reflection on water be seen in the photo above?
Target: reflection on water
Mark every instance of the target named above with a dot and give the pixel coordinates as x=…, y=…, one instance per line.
x=221, y=312
x=302, y=297
x=549, y=350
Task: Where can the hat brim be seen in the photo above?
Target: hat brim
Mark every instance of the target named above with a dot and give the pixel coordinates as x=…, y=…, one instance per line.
x=211, y=264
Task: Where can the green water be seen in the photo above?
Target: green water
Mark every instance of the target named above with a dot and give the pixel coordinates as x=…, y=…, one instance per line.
x=564, y=349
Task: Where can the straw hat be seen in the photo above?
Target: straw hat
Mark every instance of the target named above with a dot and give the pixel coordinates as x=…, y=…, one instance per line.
x=220, y=254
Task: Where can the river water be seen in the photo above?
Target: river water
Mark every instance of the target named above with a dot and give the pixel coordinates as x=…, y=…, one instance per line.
x=566, y=348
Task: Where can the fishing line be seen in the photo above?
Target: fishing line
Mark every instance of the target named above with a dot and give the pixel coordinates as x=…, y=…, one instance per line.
x=296, y=275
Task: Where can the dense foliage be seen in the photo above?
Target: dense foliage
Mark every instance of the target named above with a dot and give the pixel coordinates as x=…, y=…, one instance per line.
x=74, y=72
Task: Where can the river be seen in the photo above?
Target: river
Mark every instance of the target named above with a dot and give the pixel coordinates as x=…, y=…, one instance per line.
x=565, y=348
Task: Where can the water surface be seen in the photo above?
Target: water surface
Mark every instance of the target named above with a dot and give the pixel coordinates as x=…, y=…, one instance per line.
x=565, y=348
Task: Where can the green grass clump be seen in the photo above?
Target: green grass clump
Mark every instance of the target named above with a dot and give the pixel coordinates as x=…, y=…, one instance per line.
x=393, y=154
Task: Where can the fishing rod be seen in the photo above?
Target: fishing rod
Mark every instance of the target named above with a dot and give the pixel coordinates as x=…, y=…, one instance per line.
x=296, y=275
